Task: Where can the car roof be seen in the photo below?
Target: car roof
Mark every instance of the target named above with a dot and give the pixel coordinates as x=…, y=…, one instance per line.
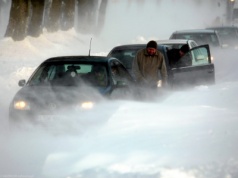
x=222, y=27
x=134, y=46
x=195, y=31
x=102, y=59
x=130, y=45
x=174, y=41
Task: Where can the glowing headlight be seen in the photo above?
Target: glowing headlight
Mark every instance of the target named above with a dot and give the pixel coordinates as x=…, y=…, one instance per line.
x=87, y=105
x=21, y=105
x=159, y=83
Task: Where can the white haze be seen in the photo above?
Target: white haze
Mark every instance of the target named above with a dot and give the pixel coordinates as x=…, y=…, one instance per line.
x=188, y=134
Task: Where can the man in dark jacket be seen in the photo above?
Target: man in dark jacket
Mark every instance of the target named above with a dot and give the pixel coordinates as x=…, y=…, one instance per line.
x=175, y=55
x=146, y=65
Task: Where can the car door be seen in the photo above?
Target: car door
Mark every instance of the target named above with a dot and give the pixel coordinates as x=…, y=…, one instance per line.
x=122, y=80
x=198, y=71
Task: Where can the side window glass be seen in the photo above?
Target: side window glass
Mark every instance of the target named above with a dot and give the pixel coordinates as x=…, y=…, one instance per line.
x=119, y=73
x=199, y=56
x=115, y=74
x=214, y=40
x=52, y=73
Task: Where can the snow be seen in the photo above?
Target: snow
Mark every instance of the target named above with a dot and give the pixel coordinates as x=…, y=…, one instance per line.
x=189, y=133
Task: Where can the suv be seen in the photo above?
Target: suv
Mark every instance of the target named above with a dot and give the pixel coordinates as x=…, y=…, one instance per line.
x=228, y=34
x=126, y=53
x=201, y=70
x=201, y=36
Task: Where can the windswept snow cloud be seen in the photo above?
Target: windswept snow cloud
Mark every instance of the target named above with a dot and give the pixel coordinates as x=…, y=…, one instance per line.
x=189, y=134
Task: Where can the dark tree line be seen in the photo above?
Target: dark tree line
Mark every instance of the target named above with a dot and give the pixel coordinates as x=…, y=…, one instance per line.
x=30, y=17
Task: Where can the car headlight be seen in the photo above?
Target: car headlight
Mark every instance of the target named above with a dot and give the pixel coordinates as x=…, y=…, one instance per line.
x=87, y=105
x=21, y=105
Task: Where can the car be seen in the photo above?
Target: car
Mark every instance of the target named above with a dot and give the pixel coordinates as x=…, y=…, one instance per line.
x=177, y=43
x=201, y=70
x=126, y=53
x=228, y=34
x=201, y=36
x=74, y=83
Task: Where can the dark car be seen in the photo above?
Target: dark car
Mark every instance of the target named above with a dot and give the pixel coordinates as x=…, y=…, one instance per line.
x=200, y=71
x=69, y=83
x=126, y=53
x=201, y=36
x=228, y=34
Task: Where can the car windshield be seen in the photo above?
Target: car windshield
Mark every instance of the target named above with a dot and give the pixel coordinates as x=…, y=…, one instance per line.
x=126, y=56
x=200, y=38
x=228, y=33
x=70, y=74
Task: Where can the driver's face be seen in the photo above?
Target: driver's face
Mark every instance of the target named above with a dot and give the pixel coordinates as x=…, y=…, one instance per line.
x=151, y=51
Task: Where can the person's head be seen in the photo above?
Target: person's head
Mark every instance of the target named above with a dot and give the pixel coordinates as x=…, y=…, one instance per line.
x=151, y=47
x=183, y=50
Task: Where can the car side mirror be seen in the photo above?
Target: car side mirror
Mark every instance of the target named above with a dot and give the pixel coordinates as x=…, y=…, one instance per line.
x=22, y=82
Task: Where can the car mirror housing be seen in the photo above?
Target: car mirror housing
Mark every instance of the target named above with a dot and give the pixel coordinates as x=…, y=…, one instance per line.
x=22, y=82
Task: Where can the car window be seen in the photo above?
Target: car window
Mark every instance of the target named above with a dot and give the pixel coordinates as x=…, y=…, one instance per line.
x=119, y=73
x=195, y=57
x=80, y=68
x=214, y=40
x=227, y=33
x=201, y=38
x=44, y=74
x=126, y=56
x=70, y=74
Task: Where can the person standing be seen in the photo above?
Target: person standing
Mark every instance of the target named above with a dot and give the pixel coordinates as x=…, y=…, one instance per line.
x=147, y=64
